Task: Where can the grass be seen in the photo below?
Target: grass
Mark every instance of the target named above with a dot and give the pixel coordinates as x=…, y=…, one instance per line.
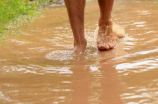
x=11, y=10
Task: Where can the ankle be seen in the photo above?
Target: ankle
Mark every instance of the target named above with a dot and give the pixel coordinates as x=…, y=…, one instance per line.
x=82, y=42
x=105, y=22
x=80, y=46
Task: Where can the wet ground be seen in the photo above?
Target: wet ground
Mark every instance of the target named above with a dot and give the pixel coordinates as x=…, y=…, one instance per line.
x=38, y=66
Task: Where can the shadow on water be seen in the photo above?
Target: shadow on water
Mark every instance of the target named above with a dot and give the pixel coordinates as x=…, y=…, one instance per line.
x=40, y=67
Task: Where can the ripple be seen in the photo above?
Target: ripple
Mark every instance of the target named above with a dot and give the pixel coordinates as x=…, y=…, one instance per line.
x=62, y=55
x=137, y=53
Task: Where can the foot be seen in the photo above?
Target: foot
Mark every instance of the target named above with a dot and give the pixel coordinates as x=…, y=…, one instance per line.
x=108, y=34
x=106, y=38
x=80, y=47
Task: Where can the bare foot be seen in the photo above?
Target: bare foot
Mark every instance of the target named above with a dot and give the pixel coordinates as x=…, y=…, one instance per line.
x=80, y=47
x=107, y=34
x=106, y=39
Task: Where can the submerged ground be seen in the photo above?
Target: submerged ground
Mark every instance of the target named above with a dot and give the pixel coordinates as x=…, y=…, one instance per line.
x=38, y=66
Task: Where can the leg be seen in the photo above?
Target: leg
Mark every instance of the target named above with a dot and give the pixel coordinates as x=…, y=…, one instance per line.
x=106, y=39
x=105, y=9
x=108, y=32
x=75, y=10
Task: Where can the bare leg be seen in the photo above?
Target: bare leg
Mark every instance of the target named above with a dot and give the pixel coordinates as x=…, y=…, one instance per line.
x=106, y=38
x=75, y=10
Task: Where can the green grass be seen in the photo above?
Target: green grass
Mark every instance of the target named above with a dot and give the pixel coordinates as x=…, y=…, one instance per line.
x=11, y=10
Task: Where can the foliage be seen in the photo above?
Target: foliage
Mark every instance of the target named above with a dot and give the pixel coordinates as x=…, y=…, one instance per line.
x=11, y=9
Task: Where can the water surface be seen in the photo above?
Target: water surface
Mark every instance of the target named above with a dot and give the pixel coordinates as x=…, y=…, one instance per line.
x=39, y=67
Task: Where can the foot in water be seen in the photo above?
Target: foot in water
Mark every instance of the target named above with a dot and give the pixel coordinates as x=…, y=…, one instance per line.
x=80, y=46
x=107, y=35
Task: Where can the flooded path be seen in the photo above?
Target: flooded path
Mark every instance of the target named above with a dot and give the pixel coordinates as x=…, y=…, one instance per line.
x=39, y=67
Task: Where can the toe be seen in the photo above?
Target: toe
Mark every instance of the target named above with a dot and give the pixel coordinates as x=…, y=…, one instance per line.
x=101, y=47
x=111, y=46
x=107, y=47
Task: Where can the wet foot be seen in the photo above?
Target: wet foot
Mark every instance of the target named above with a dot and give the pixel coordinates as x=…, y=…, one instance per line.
x=80, y=47
x=107, y=35
x=106, y=38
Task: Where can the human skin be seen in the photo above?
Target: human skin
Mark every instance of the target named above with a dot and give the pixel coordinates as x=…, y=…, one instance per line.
x=107, y=35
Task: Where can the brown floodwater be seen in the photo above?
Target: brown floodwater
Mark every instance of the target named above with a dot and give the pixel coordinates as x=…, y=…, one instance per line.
x=38, y=66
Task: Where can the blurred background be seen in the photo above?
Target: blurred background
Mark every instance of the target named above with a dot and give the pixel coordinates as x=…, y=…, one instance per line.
x=10, y=10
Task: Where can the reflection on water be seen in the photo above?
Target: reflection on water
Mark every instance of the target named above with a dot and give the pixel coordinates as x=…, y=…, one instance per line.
x=40, y=67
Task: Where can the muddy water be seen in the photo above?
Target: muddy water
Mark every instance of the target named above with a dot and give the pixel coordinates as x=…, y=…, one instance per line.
x=39, y=67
